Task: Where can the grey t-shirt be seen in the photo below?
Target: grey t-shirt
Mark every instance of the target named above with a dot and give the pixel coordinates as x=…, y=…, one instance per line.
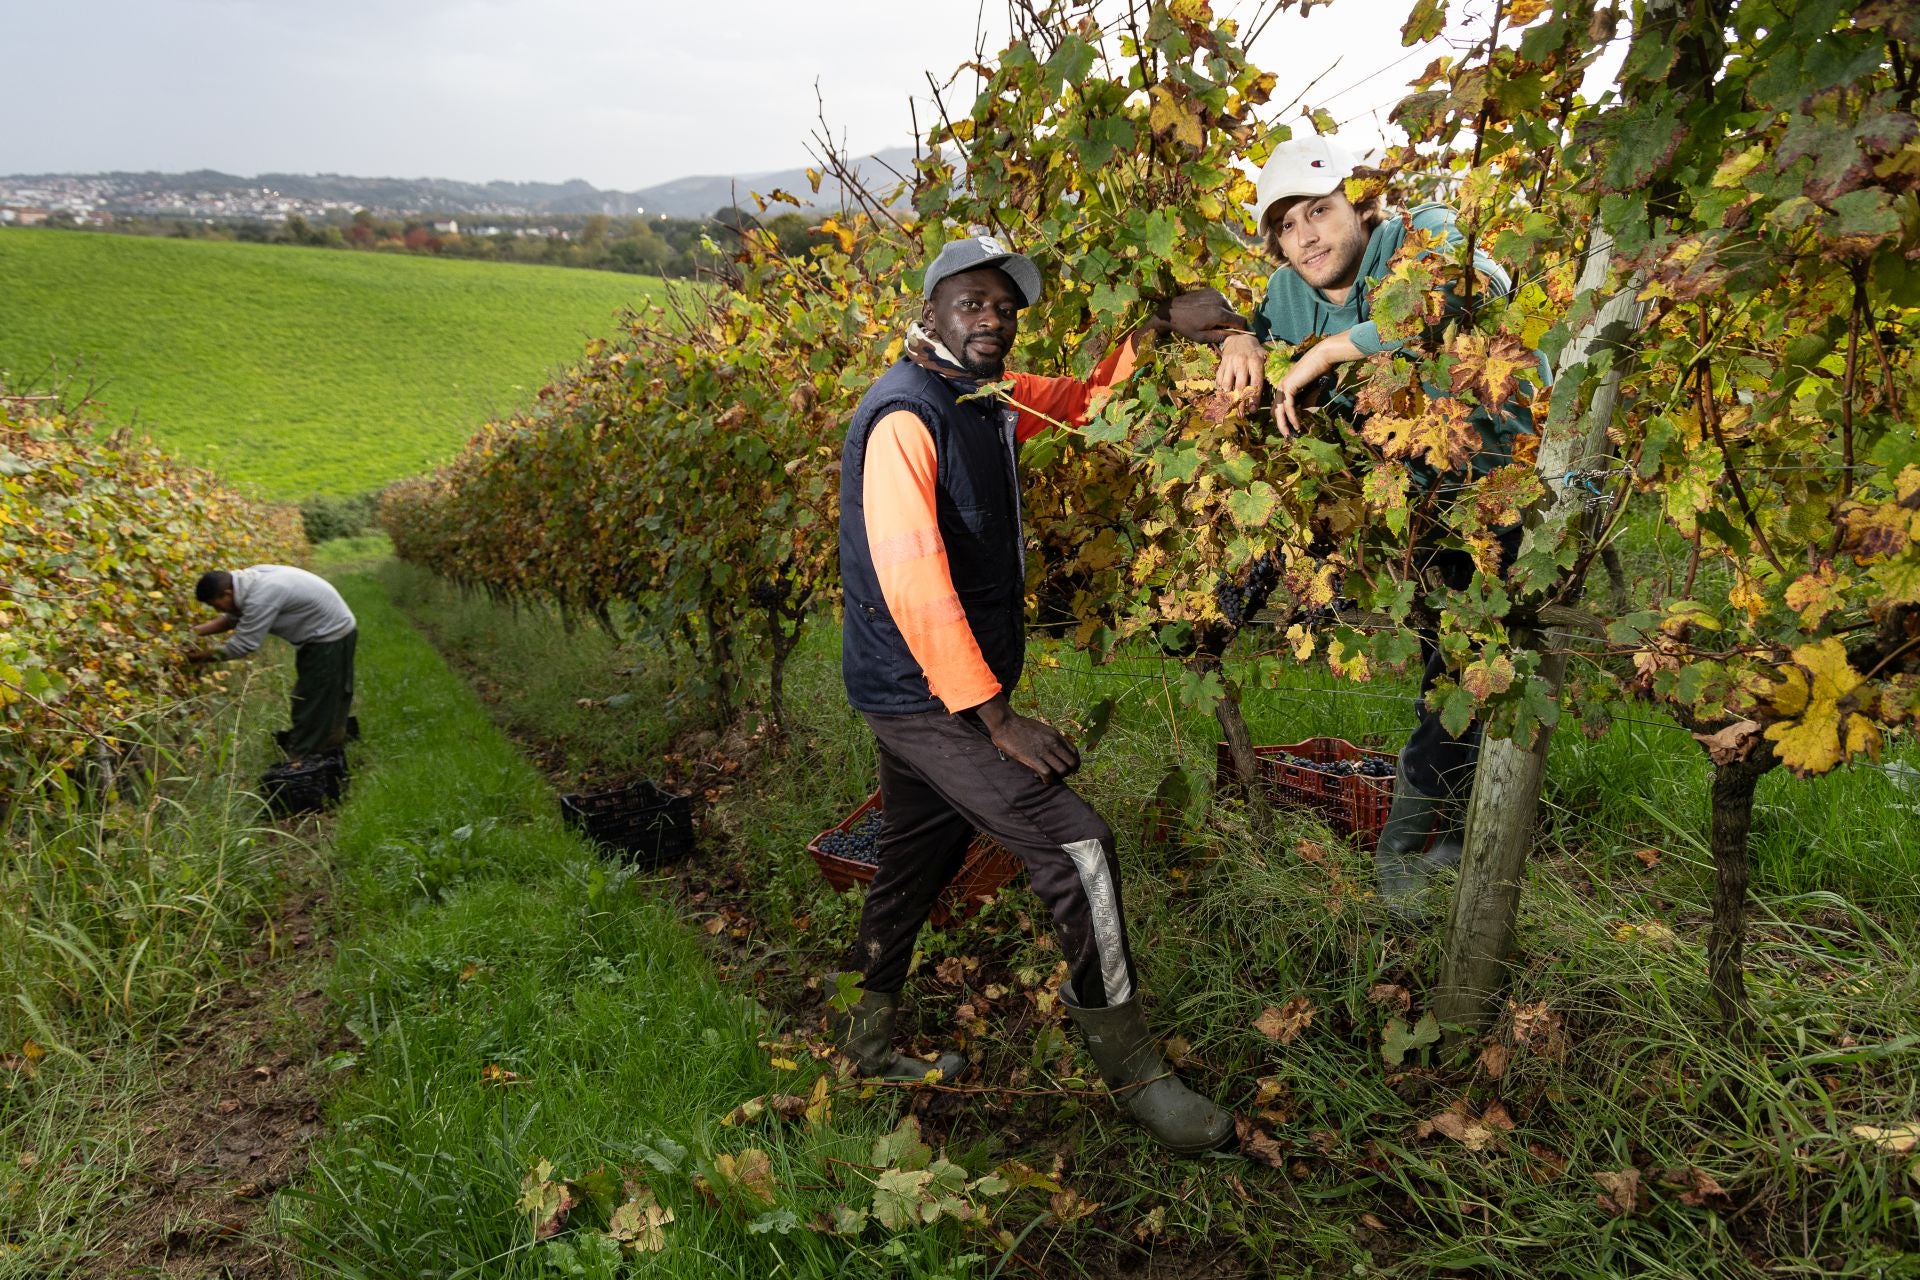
x=299, y=607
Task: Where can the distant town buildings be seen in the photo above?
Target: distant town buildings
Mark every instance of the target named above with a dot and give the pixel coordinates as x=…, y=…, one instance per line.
x=96, y=198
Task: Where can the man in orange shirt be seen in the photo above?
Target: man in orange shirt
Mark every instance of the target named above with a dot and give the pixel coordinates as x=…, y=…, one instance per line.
x=932, y=559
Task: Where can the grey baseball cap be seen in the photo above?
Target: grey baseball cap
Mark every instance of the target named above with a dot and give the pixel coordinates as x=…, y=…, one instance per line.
x=976, y=252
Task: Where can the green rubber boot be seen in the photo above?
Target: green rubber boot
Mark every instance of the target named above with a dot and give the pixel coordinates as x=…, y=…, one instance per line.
x=1121, y=1046
x=1422, y=836
x=865, y=1034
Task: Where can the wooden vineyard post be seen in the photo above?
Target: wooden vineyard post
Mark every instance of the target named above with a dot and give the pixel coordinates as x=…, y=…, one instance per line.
x=1507, y=782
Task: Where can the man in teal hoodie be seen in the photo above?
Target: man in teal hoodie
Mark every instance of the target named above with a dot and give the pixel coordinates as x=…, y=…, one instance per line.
x=1333, y=254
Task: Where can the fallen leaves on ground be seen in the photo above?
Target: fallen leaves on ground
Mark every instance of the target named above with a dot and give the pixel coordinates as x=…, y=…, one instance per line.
x=1259, y=1146
x=1541, y=1030
x=1474, y=1132
x=1899, y=1138
x=1284, y=1025
x=1702, y=1189
x=750, y=1173
x=640, y=1221
x=786, y=1106
x=544, y=1200
x=1619, y=1191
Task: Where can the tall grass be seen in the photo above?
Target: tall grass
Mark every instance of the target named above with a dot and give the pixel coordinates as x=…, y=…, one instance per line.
x=124, y=908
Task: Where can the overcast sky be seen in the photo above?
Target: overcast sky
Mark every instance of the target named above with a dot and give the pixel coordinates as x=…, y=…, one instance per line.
x=623, y=93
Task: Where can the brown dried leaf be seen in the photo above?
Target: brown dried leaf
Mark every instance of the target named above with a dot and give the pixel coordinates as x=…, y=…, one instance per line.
x=1459, y=1123
x=1649, y=858
x=1554, y=1163
x=1541, y=1030
x=750, y=1173
x=1493, y=1060
x=1620, y=1191
x=1731, y=744
x=1702, y=1188
x=1068, y=1206
x=1390, y=994
x=1285, y=1024
x=1257, y=1145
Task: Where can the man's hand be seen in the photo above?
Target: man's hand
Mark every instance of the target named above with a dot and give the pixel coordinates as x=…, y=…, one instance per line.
x=1201, y=316
x=193, y=656
x=1243, y=366
x=1295, y=391
x=1033, y=743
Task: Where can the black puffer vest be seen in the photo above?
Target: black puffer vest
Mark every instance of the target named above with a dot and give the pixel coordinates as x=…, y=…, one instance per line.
x=978, y=507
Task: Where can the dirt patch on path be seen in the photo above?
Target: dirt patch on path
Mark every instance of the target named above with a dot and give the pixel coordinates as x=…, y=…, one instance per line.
x=232, y=1110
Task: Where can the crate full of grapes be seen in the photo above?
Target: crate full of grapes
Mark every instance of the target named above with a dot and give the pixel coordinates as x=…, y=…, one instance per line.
x=848, y=854
x=1349, y=787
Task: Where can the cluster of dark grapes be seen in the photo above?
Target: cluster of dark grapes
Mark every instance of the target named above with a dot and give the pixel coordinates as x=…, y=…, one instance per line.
x=1241, y=600
x=860, y=842
x=1364, y=767
x=767, y=594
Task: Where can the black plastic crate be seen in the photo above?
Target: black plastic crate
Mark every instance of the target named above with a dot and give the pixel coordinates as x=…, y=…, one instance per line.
x=312, y=784
x=644, y=822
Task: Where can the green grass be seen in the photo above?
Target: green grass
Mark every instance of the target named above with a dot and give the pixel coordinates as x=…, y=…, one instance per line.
x=485, y=935
x=1634, y=1075
x=297, y=371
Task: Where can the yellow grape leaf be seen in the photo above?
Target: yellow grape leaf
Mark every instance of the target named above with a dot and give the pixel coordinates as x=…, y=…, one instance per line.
x=1173, y=118
x=1443, y=437
x=544, y=1200
x=1813, y=596
x=1521, y=12
x=1745, y=595
x=1899, y=1138
x=750, y=1173
x=1818, y=725
x=1489, y=366
x=1487, y=676
x=638, y=1223
x=819, y=1102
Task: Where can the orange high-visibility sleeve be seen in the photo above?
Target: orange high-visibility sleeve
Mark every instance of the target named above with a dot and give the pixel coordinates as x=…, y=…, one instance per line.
x=903, y=538
x=1048, y=402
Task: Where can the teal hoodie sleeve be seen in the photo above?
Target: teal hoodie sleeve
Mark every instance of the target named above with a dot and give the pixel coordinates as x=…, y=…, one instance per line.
x=1429, y=218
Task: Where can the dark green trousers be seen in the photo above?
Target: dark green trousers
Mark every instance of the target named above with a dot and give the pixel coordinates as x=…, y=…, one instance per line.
x=322, y=696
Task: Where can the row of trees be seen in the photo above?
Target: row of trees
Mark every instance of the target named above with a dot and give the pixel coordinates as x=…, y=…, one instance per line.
x=101, y=541
x=1718, y=258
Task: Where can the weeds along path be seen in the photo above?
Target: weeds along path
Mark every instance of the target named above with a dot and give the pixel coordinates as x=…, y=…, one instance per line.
x=543, y=1060
x=161, y=1014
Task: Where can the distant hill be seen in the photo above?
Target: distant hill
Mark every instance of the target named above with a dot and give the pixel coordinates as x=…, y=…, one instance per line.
x=296, y=371
x=691, y=197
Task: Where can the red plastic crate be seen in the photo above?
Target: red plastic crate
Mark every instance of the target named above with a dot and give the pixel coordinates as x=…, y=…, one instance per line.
x=986, y=868
x=1354, y=806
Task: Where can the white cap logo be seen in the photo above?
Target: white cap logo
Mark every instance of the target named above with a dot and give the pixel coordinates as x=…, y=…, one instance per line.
x=991, y=245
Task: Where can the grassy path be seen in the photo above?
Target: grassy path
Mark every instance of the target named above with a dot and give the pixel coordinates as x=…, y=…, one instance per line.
x=1393, y=1159
x=513, y=1001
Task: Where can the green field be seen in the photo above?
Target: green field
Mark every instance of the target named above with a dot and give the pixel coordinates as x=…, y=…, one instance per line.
x=296, y=371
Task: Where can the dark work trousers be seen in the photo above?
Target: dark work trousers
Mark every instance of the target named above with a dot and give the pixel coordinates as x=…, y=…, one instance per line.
x=1434, y=761
x=941, y=780
x=322, y=695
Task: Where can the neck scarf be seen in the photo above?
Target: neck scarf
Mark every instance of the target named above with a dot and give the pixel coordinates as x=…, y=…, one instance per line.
x=932, y=354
